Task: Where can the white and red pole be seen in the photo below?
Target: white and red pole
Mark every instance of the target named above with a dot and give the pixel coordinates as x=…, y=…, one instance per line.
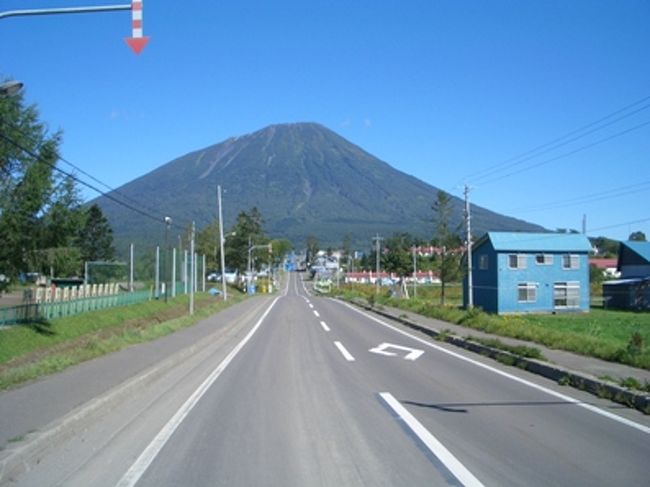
x=137, y=41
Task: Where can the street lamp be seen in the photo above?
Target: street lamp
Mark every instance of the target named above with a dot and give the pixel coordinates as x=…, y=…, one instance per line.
x=10, y=88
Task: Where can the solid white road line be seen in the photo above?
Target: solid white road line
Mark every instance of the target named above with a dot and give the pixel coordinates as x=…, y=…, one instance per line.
x=457, y=469
x=347, y=355
x=324, y=325
x=569, y=399
x=138, y=468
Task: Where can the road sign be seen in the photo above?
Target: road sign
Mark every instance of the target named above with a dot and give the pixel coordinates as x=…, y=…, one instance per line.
x=413, y=353
x=137, y=41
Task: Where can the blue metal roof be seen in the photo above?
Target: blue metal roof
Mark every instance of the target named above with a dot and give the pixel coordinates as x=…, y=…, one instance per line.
x=641, y=248
x=537, y=242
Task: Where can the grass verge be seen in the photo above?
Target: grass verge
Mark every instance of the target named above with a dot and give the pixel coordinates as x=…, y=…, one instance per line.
x=615, y=336
x=33, y=350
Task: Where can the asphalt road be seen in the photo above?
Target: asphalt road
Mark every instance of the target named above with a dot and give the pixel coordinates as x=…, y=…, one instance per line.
x=309, y=391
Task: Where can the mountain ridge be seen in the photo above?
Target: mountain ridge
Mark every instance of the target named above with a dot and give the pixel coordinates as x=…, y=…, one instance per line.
x=304, y=178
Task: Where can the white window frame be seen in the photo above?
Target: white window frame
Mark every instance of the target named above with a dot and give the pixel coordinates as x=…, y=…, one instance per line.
x=573, y=261
x=530, y=290
x=547, y=259
x=566, y=295
x=522, y=260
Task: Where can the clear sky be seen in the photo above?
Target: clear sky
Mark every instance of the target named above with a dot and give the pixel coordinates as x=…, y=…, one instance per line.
x=445, y=90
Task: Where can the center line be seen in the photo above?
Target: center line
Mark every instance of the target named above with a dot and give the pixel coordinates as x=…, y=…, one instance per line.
x=348, y=356
x=324, y=325
x=316, y=314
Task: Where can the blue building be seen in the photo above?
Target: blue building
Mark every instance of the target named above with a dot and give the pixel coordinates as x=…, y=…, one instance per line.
x=530, y=272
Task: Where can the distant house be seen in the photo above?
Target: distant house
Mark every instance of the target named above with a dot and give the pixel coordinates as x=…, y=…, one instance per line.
x=609, y=267
x=632, y=290
x=530, y=272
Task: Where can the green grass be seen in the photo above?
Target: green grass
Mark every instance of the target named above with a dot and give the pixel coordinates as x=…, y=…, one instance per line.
x=616, y=336
x=30, y=351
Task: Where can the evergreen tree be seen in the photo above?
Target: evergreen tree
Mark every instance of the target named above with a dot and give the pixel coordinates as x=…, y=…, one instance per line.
x=448, y=263
x=95, y=239
x=248, y=231
x=27, y=158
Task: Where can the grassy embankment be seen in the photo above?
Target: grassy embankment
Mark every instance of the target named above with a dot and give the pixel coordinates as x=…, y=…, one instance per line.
x=32, y=350
x=616, y=336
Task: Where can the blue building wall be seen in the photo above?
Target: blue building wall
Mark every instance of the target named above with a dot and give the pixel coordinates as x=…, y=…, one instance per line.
x=543, y=276
x=496, y=285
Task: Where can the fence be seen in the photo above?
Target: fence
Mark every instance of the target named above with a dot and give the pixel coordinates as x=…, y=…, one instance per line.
x=60, y=308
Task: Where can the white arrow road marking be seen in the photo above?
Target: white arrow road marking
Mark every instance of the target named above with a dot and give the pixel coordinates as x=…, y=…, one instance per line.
x=563, y=397
x=348, y=356
x=457, y=469
x=413, y=353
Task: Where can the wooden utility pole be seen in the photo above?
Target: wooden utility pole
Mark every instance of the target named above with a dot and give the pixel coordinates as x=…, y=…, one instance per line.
x=377, y=239
x=468, y=219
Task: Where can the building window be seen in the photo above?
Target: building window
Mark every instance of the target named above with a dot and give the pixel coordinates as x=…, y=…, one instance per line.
x=566, y=295
x=517, y=261
x=483, y=262
x=570, y=261
x=527, y=292
x=544, y=259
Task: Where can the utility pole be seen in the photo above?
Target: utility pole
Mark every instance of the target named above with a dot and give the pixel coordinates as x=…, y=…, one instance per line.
x=192, y=270
x=157, y=273
x=168, y=223
x=221, y=242
x=415, y=273
x=470, y=287
x=377, y=239
x=131, y=268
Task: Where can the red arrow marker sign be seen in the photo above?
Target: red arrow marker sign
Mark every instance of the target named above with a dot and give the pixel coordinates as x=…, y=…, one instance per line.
x=137, y=41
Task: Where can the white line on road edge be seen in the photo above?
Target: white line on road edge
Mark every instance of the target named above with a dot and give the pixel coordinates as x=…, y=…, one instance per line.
x=324, y=325
x=348, y=356
x=316, y=314
x=457, y=469
x=145, y=459
x=564, y=397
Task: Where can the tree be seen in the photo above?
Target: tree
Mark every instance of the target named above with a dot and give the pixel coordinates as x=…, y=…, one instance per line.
x=637, y=236
x=40, y=213
x=281, y=247
x=207, y=243
x=312, y=248
x=248, y=231
x=397, y=258
x=448, y=263
x=95, y=238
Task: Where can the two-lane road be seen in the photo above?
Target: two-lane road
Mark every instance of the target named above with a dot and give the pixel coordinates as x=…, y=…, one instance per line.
x=315, y=392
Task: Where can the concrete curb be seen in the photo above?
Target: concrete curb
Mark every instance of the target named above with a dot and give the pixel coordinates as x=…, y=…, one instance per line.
x=562, y=375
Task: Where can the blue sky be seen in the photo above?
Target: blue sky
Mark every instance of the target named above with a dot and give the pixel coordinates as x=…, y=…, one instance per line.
x=445, y=90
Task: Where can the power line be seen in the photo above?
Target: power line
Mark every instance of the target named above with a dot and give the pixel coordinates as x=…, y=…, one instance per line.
x=603, y=195
x=616, y=225
x=567, y=154
x=77, y=168
x=80, y=181
x=559, y=141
